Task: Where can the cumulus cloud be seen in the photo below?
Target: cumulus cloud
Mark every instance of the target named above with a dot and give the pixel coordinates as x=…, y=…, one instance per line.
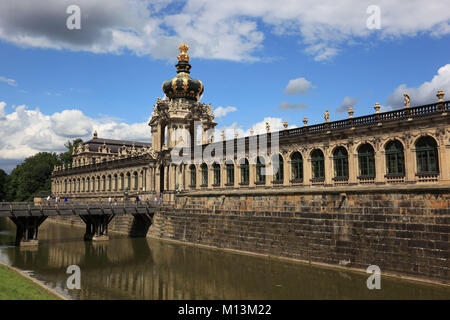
x=292, y=106
x=25, y=131
x=222, y=112
x=423, y=94
x=298, y=86
x=232, y=30
x=347, y=103
x=11, y=82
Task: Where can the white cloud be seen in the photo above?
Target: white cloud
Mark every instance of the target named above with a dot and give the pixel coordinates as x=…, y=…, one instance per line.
x=292, y=106
x=298, y=86
x=222, y=112
x=25, y=131
x=215, y=29
x=11, y=82
x=423, y=94
x=346, y=103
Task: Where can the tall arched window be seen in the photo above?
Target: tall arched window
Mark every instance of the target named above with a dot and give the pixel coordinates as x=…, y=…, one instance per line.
x=340, y=161
x=230, y=173
x=83, y=184
x=109, y=182
x=296, y=167
x=216, y=170
x=193, y=173
x=88, y=184
x=65, y=186
x=395, y=159
x=115, y=182
x=260, y=170
x=278, y=168
x=245, y=170
x=103, y=183
x=318, y=165
x=204, y=169
x=366, y=159
x=427, y=156
x=136, y=180
x=128, y=187
x=122, y=182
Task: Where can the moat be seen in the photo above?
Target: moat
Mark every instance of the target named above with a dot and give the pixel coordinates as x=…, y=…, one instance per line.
x=144, y=268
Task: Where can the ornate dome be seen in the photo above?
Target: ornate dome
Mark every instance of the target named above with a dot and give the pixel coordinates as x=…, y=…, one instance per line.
x=183, y=86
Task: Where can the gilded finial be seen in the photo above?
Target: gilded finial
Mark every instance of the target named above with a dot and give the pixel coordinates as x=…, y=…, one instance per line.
x=183, y=56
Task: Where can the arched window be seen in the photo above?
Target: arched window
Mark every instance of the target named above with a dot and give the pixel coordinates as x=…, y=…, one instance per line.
x=245, y=177
x=103, y=183
x=427, y=156
x=230, y=173
x=109, y=182
x=128, y=187
x=216, y=170
x=260, y=170
x=278, y=168
x=115, y=182
x=88, y=184
x=296, y=167
x=340, y=161
x=136, y=180
x=204, y=169
x=65, y=186
x=366, y=157
x=83, y=184
x=122, y=182
x=193, y=173
x=395, y=159
x=318, y=165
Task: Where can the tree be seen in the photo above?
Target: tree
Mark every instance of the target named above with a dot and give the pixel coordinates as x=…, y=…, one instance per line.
x=32, y=176
x=4, y=179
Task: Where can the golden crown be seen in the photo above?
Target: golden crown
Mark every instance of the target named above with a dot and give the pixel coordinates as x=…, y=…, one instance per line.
x=183, y=56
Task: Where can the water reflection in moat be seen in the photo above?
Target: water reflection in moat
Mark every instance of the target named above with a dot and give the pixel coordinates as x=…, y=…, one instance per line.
x=140, y=268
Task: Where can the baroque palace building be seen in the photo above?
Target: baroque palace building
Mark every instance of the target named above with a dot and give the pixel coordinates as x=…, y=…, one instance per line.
x=408, y=146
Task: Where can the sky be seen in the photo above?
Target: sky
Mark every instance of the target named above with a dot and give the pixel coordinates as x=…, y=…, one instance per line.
x=260, y=61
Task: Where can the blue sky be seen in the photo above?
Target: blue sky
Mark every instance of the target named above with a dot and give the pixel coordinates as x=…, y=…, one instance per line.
x=54, y=87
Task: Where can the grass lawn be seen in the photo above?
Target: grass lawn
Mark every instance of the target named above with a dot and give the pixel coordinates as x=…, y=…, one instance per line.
x=14, y=286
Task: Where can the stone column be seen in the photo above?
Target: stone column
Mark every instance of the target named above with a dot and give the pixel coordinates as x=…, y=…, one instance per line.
x=287, y=170
x=444, y=162
x=380, y=167
x=352, y=167
x=328, y=166
x=307, y=174
x=251, y=174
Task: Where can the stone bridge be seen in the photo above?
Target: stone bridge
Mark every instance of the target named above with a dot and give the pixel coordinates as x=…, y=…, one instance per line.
x=29, y=216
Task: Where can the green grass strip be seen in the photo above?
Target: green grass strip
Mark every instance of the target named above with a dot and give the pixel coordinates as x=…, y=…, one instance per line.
x=15, y=286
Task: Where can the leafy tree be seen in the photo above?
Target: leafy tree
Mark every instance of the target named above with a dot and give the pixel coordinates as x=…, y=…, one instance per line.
x=32, y=176
x=4, y=179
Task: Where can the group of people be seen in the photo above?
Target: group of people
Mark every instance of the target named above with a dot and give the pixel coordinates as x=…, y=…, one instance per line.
x=57, y=199
x=157, y=200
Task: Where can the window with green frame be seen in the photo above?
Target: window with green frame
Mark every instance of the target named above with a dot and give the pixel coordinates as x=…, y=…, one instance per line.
x=278, y=168
x=395, y=159
x=340, y=161
x=296, y=166
x=318, y=164
x=216, y=171
x=427, y=156
x=366, y=157
x=193, y=173
x=245, y=171
x=204, y=169
x=260, y=172
x=230, y=173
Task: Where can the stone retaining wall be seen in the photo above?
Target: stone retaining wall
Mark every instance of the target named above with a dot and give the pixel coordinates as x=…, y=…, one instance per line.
x=402, y=232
